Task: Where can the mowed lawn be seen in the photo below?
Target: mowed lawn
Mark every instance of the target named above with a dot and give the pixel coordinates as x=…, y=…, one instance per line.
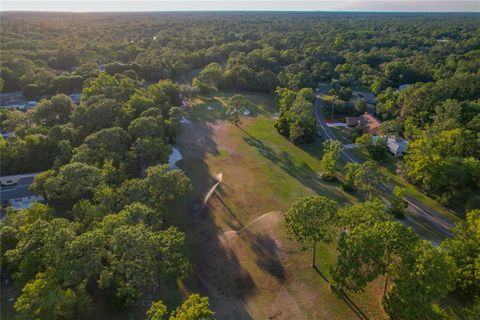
x=256, y=272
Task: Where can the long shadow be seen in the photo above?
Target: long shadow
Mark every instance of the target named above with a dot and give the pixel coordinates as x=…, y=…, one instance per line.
x=266, y=251
x=217, y=271
x=303, y=173
x=358, y=312
x=230, y=211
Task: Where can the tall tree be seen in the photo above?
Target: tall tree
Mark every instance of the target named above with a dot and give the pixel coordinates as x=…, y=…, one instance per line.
x=397, y=203
x=331, y=155
x=44, y=298
x=368, y=213
x=166, y=185
x=367, y=251
x=235, y=106
x=420, y=282
x=464, y=248
x=310, y=220
x=55, y=111
x=194, y=308
x=157, y=311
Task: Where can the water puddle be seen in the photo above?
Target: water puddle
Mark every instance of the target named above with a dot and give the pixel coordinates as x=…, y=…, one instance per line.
x=174, y=157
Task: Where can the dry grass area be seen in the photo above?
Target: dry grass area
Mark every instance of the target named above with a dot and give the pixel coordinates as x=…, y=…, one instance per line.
x=256, y=273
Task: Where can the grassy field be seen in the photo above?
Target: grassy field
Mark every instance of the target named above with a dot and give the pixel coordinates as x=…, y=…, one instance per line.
x=256, y=273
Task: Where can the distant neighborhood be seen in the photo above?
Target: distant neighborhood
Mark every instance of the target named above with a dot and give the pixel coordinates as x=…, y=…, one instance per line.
x=370, y=124
x=15, y=193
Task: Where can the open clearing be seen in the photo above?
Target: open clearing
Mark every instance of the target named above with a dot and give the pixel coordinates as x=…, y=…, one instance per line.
x=257, y=273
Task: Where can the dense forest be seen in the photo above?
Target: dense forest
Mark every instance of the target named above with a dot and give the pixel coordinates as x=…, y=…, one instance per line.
x=104, y=229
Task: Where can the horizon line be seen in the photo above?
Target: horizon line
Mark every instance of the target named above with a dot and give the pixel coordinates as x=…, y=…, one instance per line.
x=236, y=10
x=381, y=6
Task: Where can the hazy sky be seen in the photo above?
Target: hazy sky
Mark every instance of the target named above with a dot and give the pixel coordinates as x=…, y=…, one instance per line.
x=279, y=5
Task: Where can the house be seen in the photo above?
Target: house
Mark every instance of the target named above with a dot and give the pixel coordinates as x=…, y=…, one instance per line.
x=24, y=202
x=15, y=191
x=76, y=97
x=366, y=122
x=14, y=106
x=397, y=148
x=6, y=135
x=394, y=146
x=31, y=104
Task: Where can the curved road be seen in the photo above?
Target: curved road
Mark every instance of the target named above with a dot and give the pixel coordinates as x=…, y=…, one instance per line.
x=418, y=212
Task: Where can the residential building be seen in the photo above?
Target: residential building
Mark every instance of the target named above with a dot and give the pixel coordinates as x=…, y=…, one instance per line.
x=366, y=122
x=397, y=148
x=24, y=202
x=15, y=191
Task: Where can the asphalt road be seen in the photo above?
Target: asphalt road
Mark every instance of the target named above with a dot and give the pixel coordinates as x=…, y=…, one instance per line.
x=418, y=212
x=16, y=191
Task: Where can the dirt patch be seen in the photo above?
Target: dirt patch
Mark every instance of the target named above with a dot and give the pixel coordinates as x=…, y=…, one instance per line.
x=241, y=257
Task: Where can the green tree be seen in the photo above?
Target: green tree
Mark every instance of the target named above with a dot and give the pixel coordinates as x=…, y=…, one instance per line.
x=421, y=280
x=368, y=251
x=331, y=155
x=369, y=213
x=211, y=76
x=372, y=179
x=165, y=95
x=353, y=176
x=109, y=87
x=310, y=220
x=44, y=298
x=166, y=185
x=464, y=248
x=96, y=113
x=146, y=127
x=157, y=311
x=397, y=203
x=55, y=111
x=235, y=106
x=194, y=308
x=107, y=145
x=175, y=114
x=376, y=146
x=73, y=182
x=361, y=106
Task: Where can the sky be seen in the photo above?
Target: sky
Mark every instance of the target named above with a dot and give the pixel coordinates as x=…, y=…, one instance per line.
x=236, y=5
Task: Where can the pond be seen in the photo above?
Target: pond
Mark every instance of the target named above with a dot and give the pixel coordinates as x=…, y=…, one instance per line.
x=174, y=157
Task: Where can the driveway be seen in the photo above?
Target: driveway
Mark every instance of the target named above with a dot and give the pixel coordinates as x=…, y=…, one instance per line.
x=418, y=212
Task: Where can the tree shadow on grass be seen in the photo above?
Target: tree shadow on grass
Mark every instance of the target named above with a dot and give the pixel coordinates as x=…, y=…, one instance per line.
x=218, y=194
x=217, y=271
x=303, y=172
x=349, y=302
x=266, y=252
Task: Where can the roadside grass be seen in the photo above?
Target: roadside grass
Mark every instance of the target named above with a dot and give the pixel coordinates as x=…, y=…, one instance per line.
x=343, y=134
x=388, y=168
x=262, y=172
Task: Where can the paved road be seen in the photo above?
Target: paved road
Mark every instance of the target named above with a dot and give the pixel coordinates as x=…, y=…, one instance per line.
x=418, y=212
x=17, y=191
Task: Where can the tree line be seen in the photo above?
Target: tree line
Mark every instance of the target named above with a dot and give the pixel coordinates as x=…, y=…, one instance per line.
x=371, y=244
x=104, y=227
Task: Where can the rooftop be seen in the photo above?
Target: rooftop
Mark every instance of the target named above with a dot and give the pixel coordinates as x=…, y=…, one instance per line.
x=366, y=122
